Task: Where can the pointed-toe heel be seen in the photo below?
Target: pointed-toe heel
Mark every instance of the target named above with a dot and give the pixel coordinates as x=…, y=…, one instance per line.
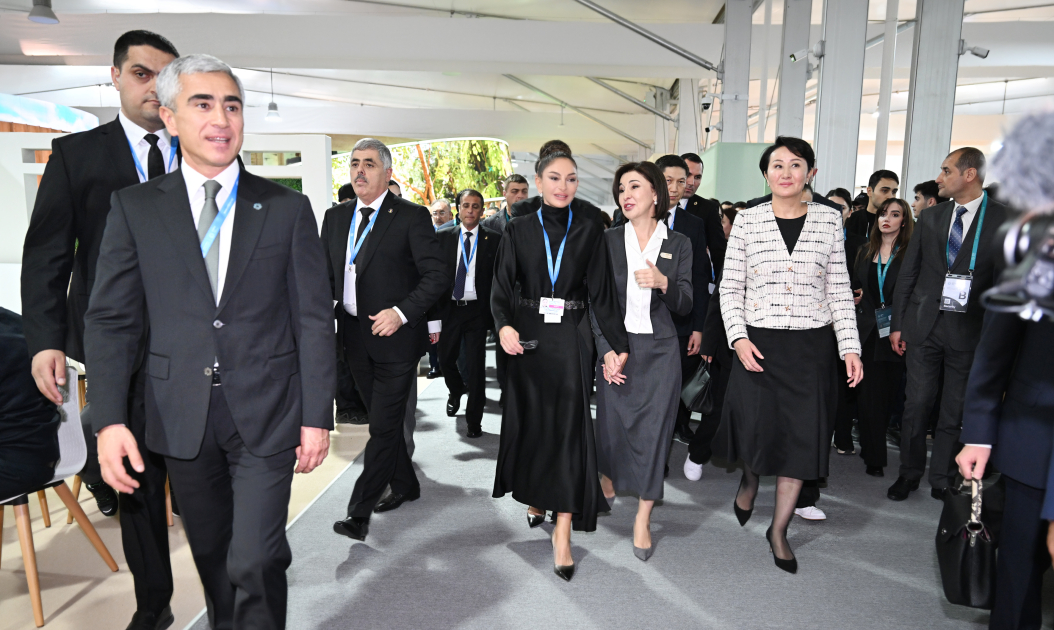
x=534, y=520
x=565, y=572
x=742, y=515
x=790, y=566
x=643, y=553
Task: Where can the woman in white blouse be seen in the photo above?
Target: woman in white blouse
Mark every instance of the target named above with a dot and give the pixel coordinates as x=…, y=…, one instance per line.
x=637, y=407
x=785, y=284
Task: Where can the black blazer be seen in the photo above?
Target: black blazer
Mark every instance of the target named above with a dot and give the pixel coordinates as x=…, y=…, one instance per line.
x=710, y=213
x=400, y=264
x=714, y=338
x=71, y=206
x=856, y=224
x=272, y=331
x=921, y=279
x=865, y=310
x=486, y=252
x=1010, y=395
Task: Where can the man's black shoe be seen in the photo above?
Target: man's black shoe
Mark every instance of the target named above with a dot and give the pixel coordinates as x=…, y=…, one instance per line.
x=152, y=621
x=453, y=404
x=105, y=497
x=474, y=432
x=683, y=434
x=875, y=471
x=901, y=488
x=344, y=417
x=360, y=417
x=435, y=372
x=394, y=500
x=355, y=527
x=938, y=493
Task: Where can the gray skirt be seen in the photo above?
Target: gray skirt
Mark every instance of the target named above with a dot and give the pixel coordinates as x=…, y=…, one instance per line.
x=635, y=420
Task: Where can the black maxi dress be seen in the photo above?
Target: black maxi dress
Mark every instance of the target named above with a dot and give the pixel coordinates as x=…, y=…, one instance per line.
x=547, y=456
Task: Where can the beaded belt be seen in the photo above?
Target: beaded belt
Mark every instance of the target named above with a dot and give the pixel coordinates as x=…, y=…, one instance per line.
x=569, y=305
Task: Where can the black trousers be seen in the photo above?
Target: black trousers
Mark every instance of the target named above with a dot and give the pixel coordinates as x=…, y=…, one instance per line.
x=348, y=398
x=20, y=474
x=875, y=400
x=1022, y=560
x=234, y=507
x=433, y=356
x=700, y=449
x=924, y=362
x=385, y=387
x=843, y=416
x=465, y=324
x=688, y=366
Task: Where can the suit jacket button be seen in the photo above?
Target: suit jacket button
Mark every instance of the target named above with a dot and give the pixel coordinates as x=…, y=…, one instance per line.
x=217, y=324
x=208, y=371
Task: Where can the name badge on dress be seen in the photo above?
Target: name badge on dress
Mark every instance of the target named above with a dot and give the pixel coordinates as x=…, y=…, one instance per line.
x=884, y=319
x=956, y=293
x=552, y=309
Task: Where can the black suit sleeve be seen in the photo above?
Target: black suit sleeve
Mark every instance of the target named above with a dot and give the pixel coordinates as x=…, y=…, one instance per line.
x=312, y=319
x=428, y=257
x=114, y=323
x=908, y=277
x=47, y=259
x=603, y=298
x=715, y=237
x=994, y=359
x=714, y=329
x=325, y=236
x=701, y=276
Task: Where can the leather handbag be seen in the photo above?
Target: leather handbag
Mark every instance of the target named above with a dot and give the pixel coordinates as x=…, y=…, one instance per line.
x=696, y=391
x=966, y=549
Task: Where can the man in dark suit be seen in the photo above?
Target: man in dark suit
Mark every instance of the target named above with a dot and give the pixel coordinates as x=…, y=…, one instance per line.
x=387, y=270
x=470, y=249
x=706, y=210
x=240, y=357
x=956, y=238
x=59, y=270
x=882, y=185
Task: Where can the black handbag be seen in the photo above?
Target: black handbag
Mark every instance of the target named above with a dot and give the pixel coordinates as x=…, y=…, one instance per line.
x=695, y=392
x=966, y=549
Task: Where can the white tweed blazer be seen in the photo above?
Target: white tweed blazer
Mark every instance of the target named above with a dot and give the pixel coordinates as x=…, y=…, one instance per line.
x=765, y=287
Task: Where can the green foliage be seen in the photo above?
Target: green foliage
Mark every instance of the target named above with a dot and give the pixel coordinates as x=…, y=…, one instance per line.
x=450, y=166
x=296, y=184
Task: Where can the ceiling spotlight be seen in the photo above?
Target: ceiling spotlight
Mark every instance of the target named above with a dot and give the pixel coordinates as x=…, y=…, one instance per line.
x=976, y=51
x=41, y=13
x=272, y=107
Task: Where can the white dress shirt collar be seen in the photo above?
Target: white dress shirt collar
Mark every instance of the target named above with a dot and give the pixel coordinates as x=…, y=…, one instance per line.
x=670, y=219
x=474, y=231
x=376, y=204
x=195, y=181
x=683, y=203
x=968, y=216
x=136, y=133
x=137, y=140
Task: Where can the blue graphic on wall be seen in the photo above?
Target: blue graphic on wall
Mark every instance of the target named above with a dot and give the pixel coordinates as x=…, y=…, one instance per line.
x=29, y=111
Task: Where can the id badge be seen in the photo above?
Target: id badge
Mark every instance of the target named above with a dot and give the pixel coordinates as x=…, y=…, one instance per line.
x=956, y=293
x=552, y=309
x=350, y=302
x=884, y=319
x=470, y=284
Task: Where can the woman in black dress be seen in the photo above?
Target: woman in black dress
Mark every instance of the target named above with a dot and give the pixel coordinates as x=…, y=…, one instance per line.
x=874, y=280
x=551, y=258
x=785, y=283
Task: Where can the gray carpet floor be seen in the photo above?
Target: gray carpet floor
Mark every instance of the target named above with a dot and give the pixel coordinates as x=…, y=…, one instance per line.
x=458, y=558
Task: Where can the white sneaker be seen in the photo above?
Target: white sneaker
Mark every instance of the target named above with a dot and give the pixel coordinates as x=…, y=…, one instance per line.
x=693, y=471
x=811, y=513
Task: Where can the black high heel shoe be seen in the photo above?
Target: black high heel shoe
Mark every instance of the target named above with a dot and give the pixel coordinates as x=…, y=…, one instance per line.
x=741, y=514
x=565, y=572
x=790, y=566
x=534, y=520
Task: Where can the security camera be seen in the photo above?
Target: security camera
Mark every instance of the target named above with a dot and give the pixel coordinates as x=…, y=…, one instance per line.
x=801, y=54
x=706, y=106
x=976, y=51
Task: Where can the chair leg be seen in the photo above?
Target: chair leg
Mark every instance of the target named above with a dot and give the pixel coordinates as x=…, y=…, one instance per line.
x=76, y=496
x=29, y=559
x=168, y=502
x=82, y=519
x=44, y=508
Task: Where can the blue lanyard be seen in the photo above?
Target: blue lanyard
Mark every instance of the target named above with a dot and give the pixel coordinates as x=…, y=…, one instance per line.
x=217, y=222
x=351, y=234
x=466, y=256
x=976, y=236
x=554, y=269
x=882, y=271
x=168, y=166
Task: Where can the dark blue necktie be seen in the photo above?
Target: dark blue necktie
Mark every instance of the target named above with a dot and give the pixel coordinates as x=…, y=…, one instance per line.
x=955, y=240
x=462, y=269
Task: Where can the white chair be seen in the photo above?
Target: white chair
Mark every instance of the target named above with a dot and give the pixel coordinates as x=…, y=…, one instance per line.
x=72, y=455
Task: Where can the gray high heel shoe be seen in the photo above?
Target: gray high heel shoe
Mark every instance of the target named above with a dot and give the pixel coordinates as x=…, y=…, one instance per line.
x=643, y=554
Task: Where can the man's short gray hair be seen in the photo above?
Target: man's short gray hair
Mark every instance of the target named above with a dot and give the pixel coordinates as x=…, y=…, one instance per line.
x=367, y=144
x=168, y=82
x=443, y=202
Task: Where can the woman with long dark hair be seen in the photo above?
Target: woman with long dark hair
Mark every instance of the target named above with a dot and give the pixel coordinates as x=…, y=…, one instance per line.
x=785, y=283
x=874, y=279
x=551, y=266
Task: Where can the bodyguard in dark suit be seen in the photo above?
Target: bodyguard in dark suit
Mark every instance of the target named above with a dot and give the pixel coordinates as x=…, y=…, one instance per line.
x=387, y=274
x=945, y=239
x=706, y=210
x=240, y=359
x=59, y=270
x=470, y=248
x=1008, y=414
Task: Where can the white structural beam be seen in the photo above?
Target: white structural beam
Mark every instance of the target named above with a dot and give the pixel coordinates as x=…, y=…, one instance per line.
x=931, y=100
x=885, y=87
x=763, y=93
x=794, y=67
x=689, y=114
x=735, y=82
x=840, y=92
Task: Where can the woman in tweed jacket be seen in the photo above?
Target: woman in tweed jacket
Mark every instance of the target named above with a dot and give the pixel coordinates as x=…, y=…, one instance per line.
x=785, y=284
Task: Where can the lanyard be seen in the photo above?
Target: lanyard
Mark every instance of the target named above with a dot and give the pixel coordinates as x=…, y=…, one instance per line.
x=351, y=234
x=976, y=236
x=466, y=256
x=217, y=222
x=554, y=269
x=168, y=166
x=882, y=271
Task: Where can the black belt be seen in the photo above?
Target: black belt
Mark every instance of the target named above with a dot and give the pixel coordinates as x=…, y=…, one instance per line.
x=463, y=302
x=569, y=305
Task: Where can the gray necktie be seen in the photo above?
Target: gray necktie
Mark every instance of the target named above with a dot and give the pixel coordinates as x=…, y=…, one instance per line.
x=208, y=214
